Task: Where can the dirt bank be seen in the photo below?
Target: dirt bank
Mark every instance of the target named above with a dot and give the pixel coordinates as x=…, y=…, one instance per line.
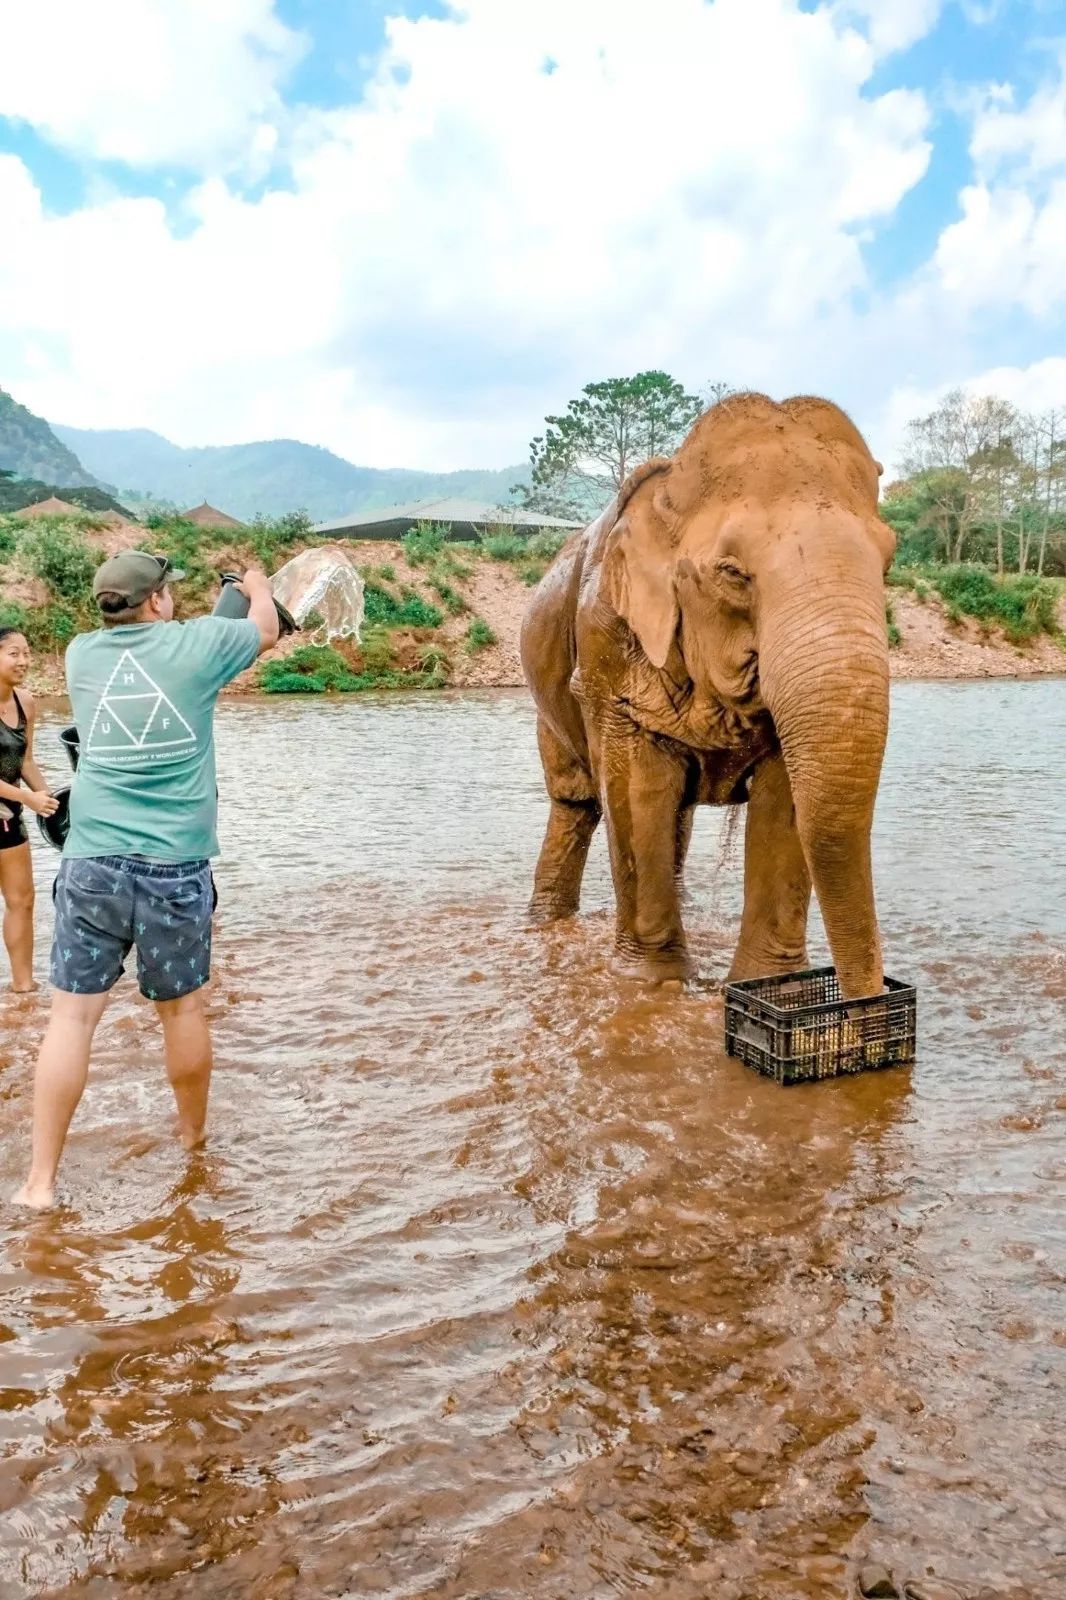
x=930, y=646
x=933, y=647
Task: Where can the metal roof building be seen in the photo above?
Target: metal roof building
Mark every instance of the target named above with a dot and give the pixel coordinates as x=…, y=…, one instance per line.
x=467, y=519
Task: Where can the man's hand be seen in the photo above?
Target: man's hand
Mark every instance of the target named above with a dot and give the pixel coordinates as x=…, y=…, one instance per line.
x=253, y=579
x=42, y=802
x=261, y=608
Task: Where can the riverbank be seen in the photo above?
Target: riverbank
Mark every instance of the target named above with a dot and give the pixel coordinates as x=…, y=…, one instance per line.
x=479, y=602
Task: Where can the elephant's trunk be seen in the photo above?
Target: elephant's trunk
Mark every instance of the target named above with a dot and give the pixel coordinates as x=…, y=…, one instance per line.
x=823, y=668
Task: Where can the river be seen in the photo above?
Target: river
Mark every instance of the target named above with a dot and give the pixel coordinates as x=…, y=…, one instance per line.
x=496, y=1278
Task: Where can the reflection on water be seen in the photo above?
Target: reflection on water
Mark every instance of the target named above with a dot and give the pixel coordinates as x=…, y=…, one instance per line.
x=497, y=1279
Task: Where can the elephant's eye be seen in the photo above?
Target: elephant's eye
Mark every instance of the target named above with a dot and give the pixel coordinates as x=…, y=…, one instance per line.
x=731, y=571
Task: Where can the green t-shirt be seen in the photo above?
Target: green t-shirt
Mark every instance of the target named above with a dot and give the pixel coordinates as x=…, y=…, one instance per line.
x=144, y=702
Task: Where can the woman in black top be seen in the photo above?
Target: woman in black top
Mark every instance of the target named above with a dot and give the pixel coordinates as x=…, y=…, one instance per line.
x=17, y=766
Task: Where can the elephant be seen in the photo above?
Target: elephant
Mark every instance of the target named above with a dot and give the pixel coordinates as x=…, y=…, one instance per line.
x=717, y=637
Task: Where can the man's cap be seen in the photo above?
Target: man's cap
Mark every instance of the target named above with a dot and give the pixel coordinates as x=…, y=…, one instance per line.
x=134, y=574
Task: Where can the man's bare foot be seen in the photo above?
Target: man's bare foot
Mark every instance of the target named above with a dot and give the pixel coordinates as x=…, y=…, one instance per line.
x=38, y=1196
x=192, y=1140
x=25, y=988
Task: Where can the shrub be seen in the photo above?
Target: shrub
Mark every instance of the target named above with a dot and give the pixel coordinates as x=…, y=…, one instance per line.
x=503, y=545
x=479, y=636
x=274, y=679
x=895, y=638
x=9, y=537
x=410, y=611
x=387, y=572
x=54, y=626
x=545, y=545
x=60, y=556
x=271, y=538
x=414, y=612
x=14, y=615
x=1023, y=606
x=424, y=541
x=434, y=664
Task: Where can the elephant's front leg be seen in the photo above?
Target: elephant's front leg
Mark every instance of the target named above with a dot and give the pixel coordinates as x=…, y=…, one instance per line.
x=777, y=884
x=646, y=797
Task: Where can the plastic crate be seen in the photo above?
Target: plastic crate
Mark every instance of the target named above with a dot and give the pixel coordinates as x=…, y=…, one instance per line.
x=797, y=1028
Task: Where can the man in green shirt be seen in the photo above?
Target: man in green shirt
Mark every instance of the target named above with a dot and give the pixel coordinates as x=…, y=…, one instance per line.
x=136, y=864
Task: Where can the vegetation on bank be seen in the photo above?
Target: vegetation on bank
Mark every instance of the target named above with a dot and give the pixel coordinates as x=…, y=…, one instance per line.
x=418, y=629
x=1022, y=606
x=407, y=641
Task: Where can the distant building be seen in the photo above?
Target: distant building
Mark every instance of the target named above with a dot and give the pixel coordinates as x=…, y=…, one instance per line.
x=206, y=516
x=52, y=507
x=467, y=519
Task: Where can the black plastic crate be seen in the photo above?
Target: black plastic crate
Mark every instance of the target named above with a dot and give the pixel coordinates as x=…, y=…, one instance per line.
x=798, y=1028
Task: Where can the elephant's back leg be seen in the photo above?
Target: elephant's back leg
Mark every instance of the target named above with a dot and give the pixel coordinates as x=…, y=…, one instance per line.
x=575, y=811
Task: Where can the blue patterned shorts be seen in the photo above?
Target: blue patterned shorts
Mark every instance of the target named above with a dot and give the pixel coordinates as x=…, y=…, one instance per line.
x=106, y=905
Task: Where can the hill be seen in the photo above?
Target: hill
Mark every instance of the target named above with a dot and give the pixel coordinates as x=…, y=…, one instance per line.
x=18, y=492
x=268, y=477
x=30, y=449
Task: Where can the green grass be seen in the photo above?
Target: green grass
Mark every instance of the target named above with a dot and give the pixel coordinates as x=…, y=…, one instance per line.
x=479, y=636
x=451, y=599
x=895, y=638
x=382, y=608
x=319, y=669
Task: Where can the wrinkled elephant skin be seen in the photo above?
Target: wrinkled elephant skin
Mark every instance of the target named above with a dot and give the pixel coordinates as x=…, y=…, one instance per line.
x=718, y=635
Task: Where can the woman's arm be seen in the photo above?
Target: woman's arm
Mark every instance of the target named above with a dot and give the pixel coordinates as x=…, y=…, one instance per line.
x=32, y=776
x=40, y=798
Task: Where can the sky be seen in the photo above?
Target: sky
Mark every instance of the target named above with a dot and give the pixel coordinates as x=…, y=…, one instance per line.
x=409, y=229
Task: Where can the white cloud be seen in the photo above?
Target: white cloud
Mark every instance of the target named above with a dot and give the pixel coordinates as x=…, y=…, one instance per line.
x=189, y=83
x=1009, y=245
x=529, y=196
x=892, y=25
x=1031, y=137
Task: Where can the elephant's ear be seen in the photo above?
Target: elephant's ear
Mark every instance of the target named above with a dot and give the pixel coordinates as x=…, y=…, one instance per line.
x=638, y=568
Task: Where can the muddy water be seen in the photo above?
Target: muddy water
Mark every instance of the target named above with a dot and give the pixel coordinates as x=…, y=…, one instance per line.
x=497, y=1279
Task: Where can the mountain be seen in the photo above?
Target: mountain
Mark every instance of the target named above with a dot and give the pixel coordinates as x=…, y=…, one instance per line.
x=269, y=477
x=30, y=449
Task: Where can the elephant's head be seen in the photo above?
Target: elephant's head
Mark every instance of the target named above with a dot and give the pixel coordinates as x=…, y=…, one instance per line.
x=752, y=564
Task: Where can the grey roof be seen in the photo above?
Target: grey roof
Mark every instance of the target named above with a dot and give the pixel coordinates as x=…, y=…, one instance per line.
x=470, y=512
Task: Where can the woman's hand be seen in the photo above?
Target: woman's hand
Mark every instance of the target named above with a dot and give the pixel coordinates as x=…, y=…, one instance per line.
x=42, y=802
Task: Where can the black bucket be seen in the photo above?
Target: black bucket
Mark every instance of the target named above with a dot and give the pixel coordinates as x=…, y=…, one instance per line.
x=54, y=829
x=233, y=603
x=72, y=745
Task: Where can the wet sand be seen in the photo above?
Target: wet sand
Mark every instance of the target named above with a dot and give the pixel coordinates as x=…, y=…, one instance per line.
x=497, y=1279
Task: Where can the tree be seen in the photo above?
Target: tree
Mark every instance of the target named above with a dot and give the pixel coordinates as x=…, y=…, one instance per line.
x=947, y=441
x=583, y=456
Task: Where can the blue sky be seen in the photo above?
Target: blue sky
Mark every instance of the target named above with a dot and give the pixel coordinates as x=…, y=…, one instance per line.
x=407, y=231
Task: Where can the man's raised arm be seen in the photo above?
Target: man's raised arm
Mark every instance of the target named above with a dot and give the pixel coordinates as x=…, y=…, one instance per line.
x=261, y=609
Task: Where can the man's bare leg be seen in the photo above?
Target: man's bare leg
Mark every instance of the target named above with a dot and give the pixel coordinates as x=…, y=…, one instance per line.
x=16, y=884
x=58, y=1083
x=187, y=1039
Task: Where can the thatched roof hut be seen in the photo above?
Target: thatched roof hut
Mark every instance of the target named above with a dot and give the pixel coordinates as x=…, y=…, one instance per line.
x=206, y=516
x=52, y=507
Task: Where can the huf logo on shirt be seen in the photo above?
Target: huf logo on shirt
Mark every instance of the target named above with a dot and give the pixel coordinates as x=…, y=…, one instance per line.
x=134, y=715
